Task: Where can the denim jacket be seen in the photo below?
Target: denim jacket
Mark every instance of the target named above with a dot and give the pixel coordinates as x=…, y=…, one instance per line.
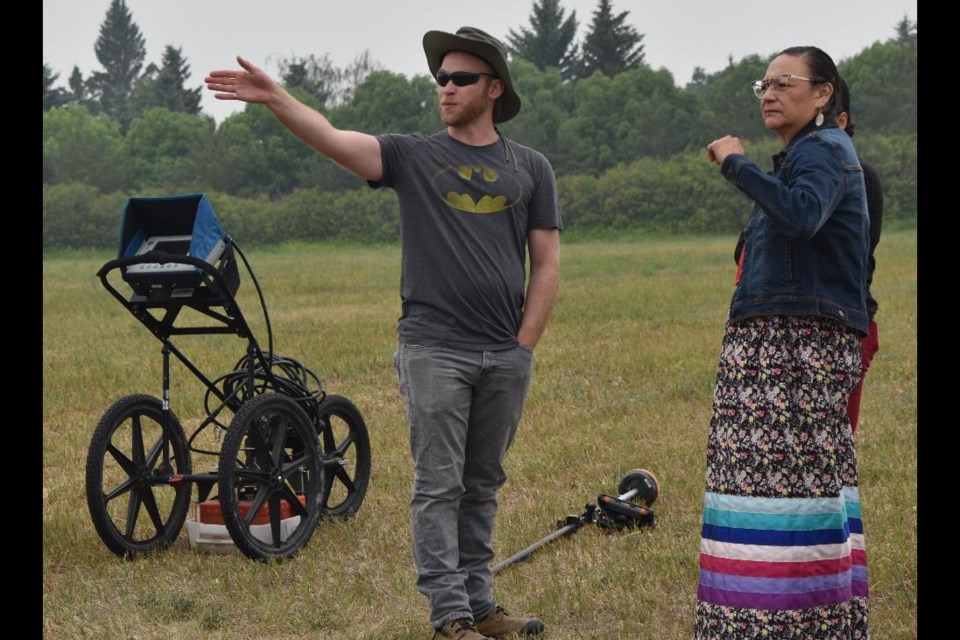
x=808, y=236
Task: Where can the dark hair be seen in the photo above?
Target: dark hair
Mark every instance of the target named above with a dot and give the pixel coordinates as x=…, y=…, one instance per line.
x=822, y=69
x=843, y=103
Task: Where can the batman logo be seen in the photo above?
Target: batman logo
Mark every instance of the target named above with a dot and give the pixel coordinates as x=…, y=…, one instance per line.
x=477, y=189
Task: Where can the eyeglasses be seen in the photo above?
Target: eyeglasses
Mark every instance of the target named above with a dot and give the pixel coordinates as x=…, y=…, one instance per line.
x=777, y=83
x=461, y=78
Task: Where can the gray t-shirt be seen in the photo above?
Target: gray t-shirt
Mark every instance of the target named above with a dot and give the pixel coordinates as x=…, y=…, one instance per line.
x=465, y=213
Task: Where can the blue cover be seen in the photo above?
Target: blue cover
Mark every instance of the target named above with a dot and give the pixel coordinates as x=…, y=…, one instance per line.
x=182, y=215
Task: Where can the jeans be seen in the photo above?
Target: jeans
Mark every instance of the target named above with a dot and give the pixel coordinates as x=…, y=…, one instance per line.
x=463, y=408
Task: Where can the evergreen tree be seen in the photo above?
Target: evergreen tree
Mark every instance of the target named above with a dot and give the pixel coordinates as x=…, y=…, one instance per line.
x=164, y=87
x=120, y=48
x=144, y=95
x=317, y=76
x=549, y=42
x=80, y=92
x=52, y=96
x=906, y=30
x=294, y=74
x=610, y=46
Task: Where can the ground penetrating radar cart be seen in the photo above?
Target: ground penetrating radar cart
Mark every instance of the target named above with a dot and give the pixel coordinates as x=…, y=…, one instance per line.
x=291, y=454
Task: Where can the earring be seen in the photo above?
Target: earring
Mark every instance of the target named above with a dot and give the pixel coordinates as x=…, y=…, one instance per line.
x=819, y=119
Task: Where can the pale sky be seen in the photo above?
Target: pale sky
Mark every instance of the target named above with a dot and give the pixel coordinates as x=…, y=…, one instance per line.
x=678, y=35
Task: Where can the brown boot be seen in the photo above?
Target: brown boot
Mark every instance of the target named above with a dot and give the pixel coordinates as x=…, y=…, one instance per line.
x=461, y=629
x=501, y=625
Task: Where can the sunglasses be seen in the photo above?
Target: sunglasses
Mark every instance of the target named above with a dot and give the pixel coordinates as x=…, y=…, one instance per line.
x=461, y=78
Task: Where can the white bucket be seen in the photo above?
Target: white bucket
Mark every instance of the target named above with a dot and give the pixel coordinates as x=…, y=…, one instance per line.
x=214, y=538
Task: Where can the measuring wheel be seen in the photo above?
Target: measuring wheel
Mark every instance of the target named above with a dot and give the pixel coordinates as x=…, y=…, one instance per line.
x=346, y=449
x=270, y=478
x=130, y=463
x=644, y=482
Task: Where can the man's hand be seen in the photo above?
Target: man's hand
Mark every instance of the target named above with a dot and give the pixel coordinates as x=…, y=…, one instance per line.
x=251, y=84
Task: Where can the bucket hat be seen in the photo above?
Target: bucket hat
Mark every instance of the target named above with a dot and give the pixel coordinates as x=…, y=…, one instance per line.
x=436, y=44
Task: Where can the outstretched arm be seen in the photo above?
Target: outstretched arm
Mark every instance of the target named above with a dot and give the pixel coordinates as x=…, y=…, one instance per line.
x=355, y=151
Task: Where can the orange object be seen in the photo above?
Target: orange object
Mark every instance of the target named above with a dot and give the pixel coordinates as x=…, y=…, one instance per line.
x=210, y=512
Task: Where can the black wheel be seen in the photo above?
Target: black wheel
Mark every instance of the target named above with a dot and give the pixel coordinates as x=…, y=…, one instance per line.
x=345, y=445
x=135, y=505
x=270, y=478
x=646, y=484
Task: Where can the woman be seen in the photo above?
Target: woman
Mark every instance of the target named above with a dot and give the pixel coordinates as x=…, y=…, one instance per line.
x=782, y=552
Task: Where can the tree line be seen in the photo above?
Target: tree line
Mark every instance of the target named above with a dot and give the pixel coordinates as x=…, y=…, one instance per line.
x=626, y=142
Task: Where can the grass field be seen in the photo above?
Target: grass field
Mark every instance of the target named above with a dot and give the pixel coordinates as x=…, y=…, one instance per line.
x=623, y=380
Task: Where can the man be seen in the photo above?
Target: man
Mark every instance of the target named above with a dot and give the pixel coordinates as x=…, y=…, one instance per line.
x=472, y=203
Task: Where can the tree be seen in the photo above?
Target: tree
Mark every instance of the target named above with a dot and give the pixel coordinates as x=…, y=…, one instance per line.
x=160, y=144
x=728, y=105
x=253, y=153
x=385, y=101
x=883, y=86
x=547, y=102
x=610, y=46
x=144, y=95
x=81, y=92
x=80, y=147
x=164, y=87
x=317, y=76
x=52, y=96
x=637, y=113
x=549, y=41
x=906, y=30
x=172, y=80
x=323, y=80
x=120, y=48
x=354, y=75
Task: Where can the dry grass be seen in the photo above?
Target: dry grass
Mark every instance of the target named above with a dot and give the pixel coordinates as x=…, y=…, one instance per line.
x=623, y=380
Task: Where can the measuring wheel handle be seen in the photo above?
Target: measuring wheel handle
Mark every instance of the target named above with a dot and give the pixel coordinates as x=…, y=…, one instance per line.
x=623, y=513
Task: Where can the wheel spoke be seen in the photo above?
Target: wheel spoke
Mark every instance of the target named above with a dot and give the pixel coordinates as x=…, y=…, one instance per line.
x=125, y=463
x=136, y=447
x=150, y=503
x=294, y=501
x=340, y=473
x=279, y=430
x=260, y=450
x=329, y=443
x=121, y=489
x=150, y=459
x=345, y=444
x=325, y=494
x=133, y=511
x=293, y=465
x=275, y=518
x=255, y=505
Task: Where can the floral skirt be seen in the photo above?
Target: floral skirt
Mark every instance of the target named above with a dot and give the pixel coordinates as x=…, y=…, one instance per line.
x=782, y=552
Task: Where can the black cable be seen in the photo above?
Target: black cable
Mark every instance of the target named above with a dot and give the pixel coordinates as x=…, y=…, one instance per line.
x=283, y=375
x=256, y=284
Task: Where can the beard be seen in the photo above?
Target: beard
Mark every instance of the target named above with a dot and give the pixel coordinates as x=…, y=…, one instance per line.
x=464, y=114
